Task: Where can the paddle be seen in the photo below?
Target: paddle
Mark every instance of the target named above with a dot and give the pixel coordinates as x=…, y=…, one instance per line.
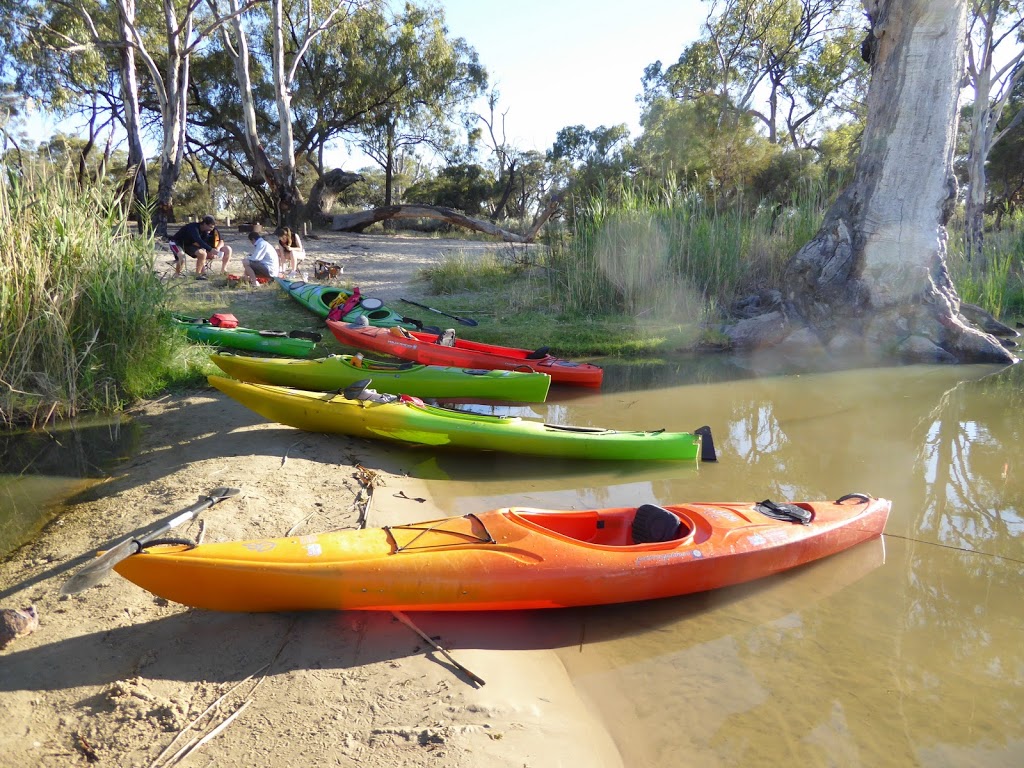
x=306, y=335
x=463, y=320
x=93, y=573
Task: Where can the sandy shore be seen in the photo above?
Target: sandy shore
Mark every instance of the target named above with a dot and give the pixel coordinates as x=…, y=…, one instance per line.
x=130, y=679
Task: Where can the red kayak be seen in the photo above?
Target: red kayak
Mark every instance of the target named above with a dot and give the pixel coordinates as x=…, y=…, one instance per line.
x=434, y=349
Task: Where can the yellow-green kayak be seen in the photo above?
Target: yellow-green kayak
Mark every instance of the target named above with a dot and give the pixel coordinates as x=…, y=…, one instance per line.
x=406, y=378
x=414, y=422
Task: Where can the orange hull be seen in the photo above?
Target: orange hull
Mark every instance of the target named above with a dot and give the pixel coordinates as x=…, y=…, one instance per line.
x=423, y=348
x=504, y=559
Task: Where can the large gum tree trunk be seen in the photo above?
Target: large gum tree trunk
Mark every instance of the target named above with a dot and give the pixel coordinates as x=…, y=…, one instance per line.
x=873, y=281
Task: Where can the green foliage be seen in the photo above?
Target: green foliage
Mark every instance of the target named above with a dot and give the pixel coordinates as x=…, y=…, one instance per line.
x=428, y=81
x=80, y=304
x=459, y=273
x=1005, y=168
x=995, y=279
x=671, y=255
x=684, y=143
x=465, y=187
x=785, y=174
x=641, y=271
x=801, y=59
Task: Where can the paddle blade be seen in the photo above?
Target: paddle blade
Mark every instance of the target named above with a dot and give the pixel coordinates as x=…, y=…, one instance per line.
x=93, y=573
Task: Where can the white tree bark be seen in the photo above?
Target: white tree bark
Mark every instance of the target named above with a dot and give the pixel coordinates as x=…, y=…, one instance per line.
x=875, y=274
x=992, y=23
x=280, y=178
x=132, y=114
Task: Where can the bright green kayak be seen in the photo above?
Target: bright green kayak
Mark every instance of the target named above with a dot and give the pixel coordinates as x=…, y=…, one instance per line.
x=413, y=422
x=318, y=298
x=406, y=378
x=292, y=343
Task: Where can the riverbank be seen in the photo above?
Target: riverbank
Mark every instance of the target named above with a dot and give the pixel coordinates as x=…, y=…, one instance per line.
x=117, y=674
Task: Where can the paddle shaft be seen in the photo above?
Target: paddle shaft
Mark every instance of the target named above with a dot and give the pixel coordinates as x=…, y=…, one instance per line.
x=463, y=320
x=94, y=572
x=438, y=647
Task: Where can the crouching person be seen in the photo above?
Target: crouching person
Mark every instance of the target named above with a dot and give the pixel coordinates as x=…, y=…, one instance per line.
x=262, y=262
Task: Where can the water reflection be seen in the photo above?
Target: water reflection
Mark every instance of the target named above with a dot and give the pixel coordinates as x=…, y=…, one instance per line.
x=39, y=469
x=919, y=662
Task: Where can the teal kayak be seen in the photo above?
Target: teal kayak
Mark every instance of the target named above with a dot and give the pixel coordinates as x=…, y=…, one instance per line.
x=319, y=299
x=413, y=422
x=291, y=343
x=435, y=381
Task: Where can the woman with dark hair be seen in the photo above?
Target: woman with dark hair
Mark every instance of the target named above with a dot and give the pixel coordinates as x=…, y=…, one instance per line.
x=289, y=249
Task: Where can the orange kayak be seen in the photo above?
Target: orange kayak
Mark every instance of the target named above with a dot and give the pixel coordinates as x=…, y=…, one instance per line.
x=428, y=349
x=512, y=558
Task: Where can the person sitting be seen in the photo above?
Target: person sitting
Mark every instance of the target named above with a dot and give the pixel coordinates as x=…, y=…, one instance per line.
x=262, y=262
x=289, y=249
x=221, y=247
x=194, y=239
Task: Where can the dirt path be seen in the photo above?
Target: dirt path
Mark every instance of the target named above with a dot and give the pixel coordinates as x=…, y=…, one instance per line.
x=120, y=675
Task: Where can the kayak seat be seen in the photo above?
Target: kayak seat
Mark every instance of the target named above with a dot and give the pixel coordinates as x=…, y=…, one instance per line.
x=538, y=354
x=653, y=524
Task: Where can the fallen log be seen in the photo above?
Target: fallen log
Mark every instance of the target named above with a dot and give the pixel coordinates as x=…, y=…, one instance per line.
x=358, y=222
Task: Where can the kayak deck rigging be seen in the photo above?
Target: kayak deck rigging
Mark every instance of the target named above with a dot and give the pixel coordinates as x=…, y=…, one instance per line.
x=422, y=531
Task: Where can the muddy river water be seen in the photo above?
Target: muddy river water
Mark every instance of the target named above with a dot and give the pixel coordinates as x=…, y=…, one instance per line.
x=907, y=650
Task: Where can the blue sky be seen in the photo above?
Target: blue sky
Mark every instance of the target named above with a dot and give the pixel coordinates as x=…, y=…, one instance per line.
x=570, y=62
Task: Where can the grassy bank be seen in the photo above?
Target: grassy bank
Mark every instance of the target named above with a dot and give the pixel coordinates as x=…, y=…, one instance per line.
x=647, y=273
x=634, y=278
x=83, y=312
x=995, y=281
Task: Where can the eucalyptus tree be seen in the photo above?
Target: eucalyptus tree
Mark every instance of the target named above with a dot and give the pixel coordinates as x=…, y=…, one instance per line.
x=1004, y=171
x=162, y=41
x=874, y=278
x=46, y=67
x=303, y=23
x=684, y=143
x=995, y=64
x=799, y=56
x=430, y=80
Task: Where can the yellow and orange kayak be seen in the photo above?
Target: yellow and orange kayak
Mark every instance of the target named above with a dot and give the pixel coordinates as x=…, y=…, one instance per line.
x=512, y=558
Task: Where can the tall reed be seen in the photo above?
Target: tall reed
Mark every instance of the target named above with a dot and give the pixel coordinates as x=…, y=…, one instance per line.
x=81, y=307
x=669, y=253
x=995, y=279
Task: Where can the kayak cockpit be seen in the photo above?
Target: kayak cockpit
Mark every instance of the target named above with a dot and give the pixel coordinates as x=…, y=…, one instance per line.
x=623, y=527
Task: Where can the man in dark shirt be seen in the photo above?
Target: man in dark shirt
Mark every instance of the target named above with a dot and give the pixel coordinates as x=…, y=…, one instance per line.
x=194, y=239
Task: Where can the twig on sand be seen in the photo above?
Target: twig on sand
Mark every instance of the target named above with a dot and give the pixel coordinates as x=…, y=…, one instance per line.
x=296, y=527
x=369, y=480
x=207, y=711
x=284, y=458
x=198, y=742
x=185, y=751
x=437, y=647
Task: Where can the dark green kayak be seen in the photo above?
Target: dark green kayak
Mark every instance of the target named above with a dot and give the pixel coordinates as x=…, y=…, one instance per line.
x=319, y=298
x=290, y=343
